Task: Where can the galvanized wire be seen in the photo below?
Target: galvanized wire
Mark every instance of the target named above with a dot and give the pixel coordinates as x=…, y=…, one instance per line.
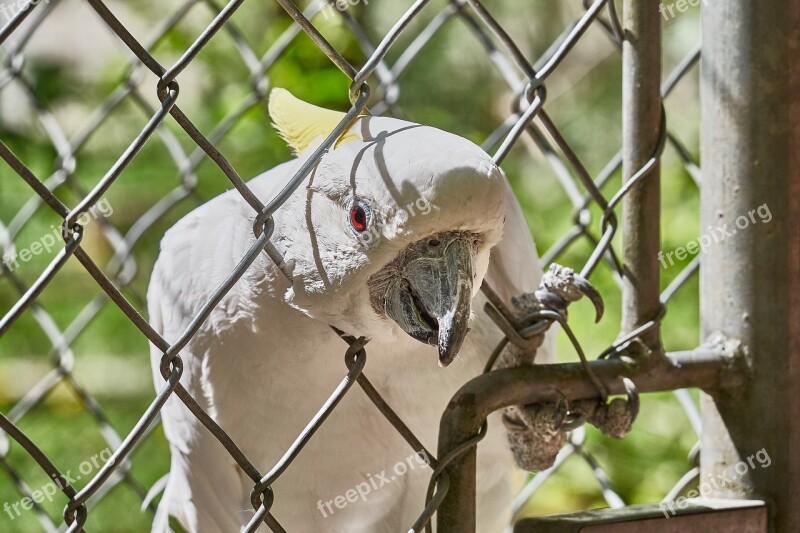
x=529, y=126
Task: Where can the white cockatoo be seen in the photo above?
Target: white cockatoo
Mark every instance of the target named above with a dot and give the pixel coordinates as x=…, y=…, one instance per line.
x=390, y=238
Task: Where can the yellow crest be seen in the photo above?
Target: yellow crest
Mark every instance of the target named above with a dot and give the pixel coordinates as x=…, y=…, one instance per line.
x=300, y=123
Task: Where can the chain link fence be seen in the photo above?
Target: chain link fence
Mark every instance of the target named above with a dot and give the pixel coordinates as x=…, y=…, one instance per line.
x=528, y=127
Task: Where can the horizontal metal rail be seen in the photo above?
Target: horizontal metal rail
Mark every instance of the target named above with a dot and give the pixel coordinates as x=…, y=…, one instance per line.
x=708, y=368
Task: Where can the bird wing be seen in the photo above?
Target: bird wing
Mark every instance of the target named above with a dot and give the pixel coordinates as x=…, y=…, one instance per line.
x=515, y=268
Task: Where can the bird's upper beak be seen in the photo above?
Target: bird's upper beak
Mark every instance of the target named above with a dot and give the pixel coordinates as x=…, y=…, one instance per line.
x=427, y=290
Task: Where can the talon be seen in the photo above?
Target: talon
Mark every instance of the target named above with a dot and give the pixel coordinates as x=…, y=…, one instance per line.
x=561, y=411
x=513, y=423
x=588, y=290
x=633, y=398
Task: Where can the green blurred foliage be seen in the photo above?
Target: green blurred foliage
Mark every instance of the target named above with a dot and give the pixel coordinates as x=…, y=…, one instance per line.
x=451, y=84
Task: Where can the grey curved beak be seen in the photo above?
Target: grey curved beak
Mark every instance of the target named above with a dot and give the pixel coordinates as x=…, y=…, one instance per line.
x=429, y=294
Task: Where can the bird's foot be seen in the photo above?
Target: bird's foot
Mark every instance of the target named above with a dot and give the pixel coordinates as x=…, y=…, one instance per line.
x=534, y=433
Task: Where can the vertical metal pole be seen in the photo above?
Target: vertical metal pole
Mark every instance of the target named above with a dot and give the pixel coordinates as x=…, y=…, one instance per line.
x=641, y=127
x=641, y=96
x=750, y=279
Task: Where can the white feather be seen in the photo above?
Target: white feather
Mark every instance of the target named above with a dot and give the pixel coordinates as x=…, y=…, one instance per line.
x=266, y=360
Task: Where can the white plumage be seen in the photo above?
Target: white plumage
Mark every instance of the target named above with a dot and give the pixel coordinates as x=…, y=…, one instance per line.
x=265, y=360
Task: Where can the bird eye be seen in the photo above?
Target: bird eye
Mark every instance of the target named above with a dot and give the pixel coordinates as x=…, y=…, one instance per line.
x=358, y=218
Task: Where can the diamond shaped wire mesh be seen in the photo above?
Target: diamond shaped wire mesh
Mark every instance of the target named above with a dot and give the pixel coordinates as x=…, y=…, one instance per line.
x=62, y=193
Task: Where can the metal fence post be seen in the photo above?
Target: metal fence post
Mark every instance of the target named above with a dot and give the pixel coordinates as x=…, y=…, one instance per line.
x=750, y=279
x=641, y=95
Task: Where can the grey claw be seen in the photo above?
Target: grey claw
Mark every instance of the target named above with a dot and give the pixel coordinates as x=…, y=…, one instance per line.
x=561, y=411
x=588, y=290
x=633, y=398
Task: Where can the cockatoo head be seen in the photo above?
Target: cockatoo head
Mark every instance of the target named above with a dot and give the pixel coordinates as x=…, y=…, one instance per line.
x=393, y=231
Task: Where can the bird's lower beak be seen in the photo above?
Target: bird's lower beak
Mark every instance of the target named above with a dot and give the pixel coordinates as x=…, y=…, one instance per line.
x=430, y=293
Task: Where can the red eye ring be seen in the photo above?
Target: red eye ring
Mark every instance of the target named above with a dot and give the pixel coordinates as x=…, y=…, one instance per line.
x=358, y=218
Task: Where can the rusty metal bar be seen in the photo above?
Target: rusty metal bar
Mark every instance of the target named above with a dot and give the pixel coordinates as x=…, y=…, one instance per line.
x=710, y=368
x=748, y=516
x=641, y=131
x=750, y=274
